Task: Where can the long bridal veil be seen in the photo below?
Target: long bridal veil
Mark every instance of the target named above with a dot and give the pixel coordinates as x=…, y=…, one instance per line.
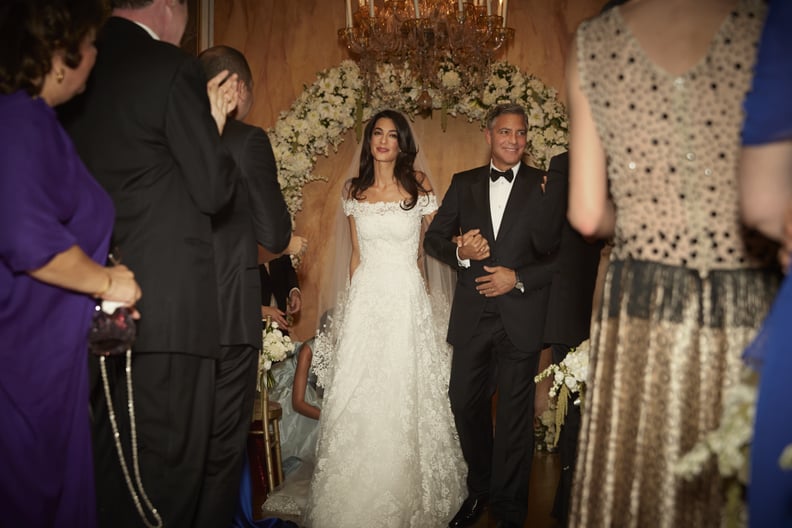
x=440, y=278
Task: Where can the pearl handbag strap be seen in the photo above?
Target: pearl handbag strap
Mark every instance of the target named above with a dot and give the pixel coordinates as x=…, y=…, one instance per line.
x=136, y=498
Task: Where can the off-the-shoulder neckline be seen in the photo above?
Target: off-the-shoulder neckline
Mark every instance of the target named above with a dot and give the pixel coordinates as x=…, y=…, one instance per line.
x=385, y=202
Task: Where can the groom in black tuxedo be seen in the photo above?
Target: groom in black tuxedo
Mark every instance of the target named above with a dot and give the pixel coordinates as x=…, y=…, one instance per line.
x=257, y=214
x=490, y=228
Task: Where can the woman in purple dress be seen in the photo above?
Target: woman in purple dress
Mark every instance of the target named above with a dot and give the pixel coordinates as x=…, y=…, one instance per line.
x=55, y=226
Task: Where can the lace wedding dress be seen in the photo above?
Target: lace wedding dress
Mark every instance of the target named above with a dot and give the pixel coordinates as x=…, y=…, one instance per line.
x=388, y=454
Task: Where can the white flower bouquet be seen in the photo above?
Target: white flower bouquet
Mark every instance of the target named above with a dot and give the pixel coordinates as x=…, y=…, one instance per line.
x=569, y=377
x=275, y=346
x=729, y=444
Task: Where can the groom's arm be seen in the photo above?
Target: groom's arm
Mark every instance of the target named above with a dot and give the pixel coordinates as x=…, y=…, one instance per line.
x=445, y=225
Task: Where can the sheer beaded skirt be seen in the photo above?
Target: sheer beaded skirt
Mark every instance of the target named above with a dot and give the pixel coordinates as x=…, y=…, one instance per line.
x=666, y=344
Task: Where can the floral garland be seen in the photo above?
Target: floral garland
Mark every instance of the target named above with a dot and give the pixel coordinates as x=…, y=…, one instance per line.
x=333, y=104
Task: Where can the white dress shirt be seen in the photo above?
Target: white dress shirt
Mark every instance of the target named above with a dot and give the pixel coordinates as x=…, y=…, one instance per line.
x=499, y=191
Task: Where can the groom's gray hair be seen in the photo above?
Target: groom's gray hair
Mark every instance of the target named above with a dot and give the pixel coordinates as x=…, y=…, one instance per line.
x=506, y=108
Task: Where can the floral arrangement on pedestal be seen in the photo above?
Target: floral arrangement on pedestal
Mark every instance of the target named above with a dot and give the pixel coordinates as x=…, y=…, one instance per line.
x=569, y=377
x=275, y=346
x=337, y=102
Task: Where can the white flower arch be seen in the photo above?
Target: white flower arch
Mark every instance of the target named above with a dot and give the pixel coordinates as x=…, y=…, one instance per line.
x=332, y=105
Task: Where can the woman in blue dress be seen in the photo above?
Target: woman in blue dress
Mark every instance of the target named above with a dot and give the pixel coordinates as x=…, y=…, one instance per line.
x=55, y=225
x=766, y=196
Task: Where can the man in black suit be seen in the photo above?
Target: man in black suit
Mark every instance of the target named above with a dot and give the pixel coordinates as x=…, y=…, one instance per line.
x=498, y=313
x=568, y=315
x=257, y=213
x=144, y=128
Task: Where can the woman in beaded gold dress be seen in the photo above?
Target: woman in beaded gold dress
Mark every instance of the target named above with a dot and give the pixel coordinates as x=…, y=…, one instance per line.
x=655, y=88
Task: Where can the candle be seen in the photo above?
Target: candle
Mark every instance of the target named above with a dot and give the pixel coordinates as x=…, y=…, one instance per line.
x=417, y=12
x=505, y=6
x=461, y=8
x=489, y=7
x=371, y=8
x=349, y=13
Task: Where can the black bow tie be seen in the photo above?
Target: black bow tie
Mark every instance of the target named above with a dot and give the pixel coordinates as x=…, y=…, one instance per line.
x=495, y=174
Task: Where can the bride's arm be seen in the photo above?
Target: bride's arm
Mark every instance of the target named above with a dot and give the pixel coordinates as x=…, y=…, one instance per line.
x=425, y=221
x=354, y=260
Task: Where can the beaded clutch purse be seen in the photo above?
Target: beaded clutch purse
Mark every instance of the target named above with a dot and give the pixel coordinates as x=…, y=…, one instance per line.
x=112, y=330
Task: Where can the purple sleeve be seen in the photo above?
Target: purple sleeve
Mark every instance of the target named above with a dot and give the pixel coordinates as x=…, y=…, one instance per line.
x=36, y=190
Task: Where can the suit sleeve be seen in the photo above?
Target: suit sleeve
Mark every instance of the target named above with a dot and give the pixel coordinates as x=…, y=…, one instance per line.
x=207, y=167
x=437, y=241
x=547, y=238
x=271, y=220
x=291, y=276
x=283, y=278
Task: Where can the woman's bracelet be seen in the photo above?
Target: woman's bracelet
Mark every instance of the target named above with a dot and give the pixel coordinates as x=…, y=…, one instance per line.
x=107, y=287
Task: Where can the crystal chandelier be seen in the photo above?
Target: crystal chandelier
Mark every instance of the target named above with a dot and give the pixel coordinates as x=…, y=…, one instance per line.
x=427, y=37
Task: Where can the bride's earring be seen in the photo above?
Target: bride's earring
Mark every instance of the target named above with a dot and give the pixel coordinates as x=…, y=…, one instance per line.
x=59, y=74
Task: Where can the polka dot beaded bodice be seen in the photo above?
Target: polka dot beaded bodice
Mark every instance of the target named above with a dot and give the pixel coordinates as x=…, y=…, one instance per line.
x=672, y=141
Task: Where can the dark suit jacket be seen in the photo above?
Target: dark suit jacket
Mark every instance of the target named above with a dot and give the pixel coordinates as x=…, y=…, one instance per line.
x=278, y=281
x=522, y=244
x=569, y=309
x=145, y=131
x=257, y=213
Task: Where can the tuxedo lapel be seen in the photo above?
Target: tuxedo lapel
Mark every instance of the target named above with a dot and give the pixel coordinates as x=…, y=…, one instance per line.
x=518, y=199
x=481, y=198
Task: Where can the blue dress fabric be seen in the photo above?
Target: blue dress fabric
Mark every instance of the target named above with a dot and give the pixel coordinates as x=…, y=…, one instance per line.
x=768, y=120
x=48, y=203
x=244, y=514
x=768, y=110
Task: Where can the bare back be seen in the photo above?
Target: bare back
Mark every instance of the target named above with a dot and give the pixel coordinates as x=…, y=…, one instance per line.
x=675, y=34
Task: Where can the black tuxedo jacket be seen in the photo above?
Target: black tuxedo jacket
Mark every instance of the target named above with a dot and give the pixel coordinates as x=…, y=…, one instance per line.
x=522, y=244
x=278, y=281
x=569, y=309
x=145, y=131
x=257, y=213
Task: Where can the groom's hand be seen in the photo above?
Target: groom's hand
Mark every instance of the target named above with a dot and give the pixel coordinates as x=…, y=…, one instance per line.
x=472, y=246
x=499, y=281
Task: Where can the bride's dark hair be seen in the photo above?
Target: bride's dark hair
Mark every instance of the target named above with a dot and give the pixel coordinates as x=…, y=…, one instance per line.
x=405, y=174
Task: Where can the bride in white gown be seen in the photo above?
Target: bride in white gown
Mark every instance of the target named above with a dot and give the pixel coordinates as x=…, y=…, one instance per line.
x=388, y=453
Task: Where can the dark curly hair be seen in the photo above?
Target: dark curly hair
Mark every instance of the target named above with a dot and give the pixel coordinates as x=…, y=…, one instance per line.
x=31, y=31
x=405, y=174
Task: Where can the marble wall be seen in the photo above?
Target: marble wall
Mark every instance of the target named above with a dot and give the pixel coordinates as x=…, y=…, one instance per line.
x=288, y=41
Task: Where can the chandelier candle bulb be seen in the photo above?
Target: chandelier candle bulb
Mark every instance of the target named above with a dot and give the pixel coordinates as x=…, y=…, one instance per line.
x=489, y=7
x=417, y=11
x=348, y=13
x=461, y=9
x=503, y=12
x=371, y=8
